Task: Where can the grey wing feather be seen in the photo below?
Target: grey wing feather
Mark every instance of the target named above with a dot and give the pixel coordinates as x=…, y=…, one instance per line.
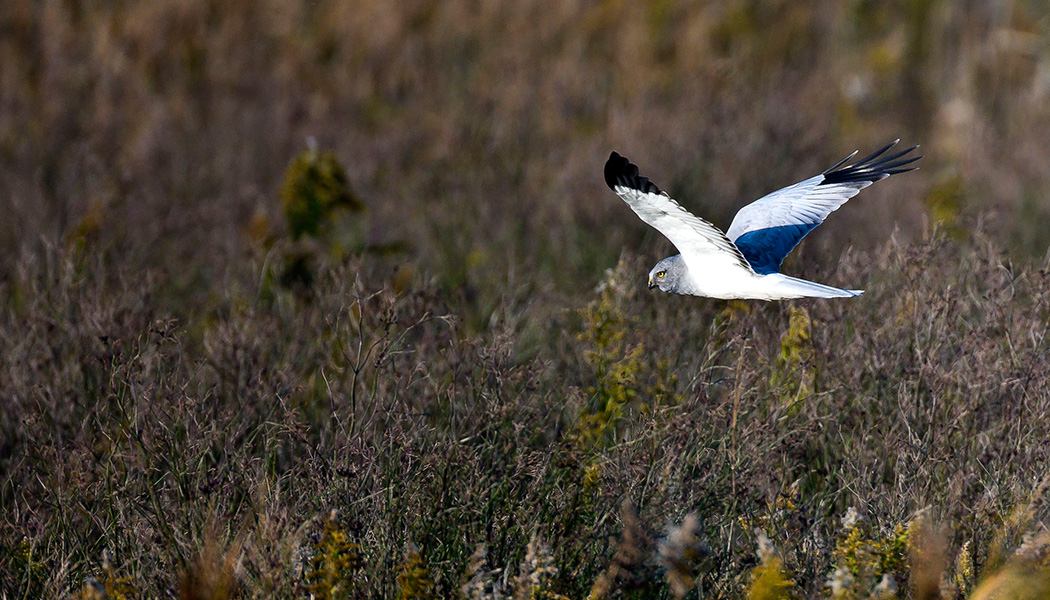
x=809, y=202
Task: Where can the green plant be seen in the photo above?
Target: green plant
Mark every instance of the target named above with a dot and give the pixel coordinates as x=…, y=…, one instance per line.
x=769, y=581
x=315, y=187
x=414, y=579
x=614, y=362
x=796, y=367
x=866, y=562
x=334, y=563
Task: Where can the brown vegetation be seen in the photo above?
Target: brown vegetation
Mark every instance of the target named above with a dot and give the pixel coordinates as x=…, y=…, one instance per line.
x=411, y=357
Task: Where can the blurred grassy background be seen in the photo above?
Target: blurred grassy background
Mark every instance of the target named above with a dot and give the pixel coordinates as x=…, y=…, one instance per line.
x=263, y=259
x=477, y=132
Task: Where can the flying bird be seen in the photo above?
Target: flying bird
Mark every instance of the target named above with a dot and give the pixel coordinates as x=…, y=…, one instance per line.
x=744, y=262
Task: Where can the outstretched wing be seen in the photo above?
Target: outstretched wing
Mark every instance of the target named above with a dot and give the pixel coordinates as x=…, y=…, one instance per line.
x=768, y=229
x=699, y=242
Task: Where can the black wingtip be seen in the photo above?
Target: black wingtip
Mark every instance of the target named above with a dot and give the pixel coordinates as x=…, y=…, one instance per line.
x=621, y=172
x=613, y=167
x=872, y=167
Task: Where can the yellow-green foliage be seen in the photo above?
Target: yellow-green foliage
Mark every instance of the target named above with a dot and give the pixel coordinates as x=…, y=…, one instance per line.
x=111, y=585
x=614, y=362
x=963, y=573
x=795, y=371
x=413, y=578
x=315, y=186
x=945, y=204
x=334, y=562
x=777, y=517
x=1016, y=582
x=1015, y=526
x=314, y=194
x=769, y=580
x=27, y=566
x=863, y=558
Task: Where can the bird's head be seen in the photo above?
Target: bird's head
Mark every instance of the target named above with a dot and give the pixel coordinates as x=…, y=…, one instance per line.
x=667, y=273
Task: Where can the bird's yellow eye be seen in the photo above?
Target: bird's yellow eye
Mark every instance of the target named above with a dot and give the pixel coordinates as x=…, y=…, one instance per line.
x=661, y=274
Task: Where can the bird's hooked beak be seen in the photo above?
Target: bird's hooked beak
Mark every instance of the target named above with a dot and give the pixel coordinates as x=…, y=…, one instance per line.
x=651, y=284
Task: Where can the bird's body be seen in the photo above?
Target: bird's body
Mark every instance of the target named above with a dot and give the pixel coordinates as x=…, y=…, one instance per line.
x=735, y=283
x=744, y=262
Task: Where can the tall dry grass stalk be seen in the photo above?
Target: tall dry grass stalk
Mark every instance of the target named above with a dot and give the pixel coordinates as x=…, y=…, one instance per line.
x=631, y=559
x=214, y=573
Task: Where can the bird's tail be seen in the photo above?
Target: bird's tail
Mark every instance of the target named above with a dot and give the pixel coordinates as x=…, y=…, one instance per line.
x=800, y=288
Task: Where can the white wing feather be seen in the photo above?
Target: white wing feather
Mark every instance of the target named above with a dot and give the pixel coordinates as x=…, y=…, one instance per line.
x=699, y=242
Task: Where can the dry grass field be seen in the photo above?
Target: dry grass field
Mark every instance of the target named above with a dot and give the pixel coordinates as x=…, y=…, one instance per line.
x=330, y=300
